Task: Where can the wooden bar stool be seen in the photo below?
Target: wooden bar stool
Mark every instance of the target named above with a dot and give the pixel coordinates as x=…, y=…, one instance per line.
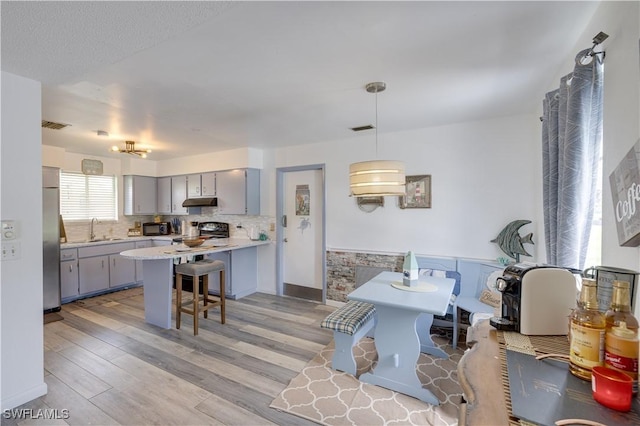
x=199, y=303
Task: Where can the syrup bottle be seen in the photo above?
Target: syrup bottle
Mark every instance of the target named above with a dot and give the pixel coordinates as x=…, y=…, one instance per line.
x=588, y=326
x=621, y=341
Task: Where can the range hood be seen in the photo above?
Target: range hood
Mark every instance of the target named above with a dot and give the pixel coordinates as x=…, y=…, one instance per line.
x=201, y=202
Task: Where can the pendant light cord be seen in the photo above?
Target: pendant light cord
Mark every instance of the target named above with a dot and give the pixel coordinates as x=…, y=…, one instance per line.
x=375, y=87
x=376, y=124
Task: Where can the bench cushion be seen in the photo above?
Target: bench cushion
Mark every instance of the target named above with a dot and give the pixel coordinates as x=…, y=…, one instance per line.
x=349, y=318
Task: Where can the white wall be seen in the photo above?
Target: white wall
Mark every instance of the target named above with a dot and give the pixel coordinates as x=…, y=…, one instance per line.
x=232, y=159
x=621, y=112
x=21, y=325
x=482, y=178
x=621, y=115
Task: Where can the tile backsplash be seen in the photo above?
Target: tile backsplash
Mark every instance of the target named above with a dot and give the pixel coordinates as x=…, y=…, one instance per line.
x=79, y=231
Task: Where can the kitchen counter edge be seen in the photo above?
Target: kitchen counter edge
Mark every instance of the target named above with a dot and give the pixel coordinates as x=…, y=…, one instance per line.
x=210, y=246
x=76, y=244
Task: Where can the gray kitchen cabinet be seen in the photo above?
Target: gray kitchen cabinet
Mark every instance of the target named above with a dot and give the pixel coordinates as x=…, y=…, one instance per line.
x=68, y=274
x=122, y=271
x=194, y=186
x=164, y=195
x=93, y=274
x=238, y=191
x=201, y=185
x=178, y=194
x=100, y=267
x=140, y=195
x=241, y=276
x=208, y=181
x=141, y=244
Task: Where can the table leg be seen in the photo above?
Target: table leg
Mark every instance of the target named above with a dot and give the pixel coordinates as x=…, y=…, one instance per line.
x=423, y=326
x=158, y=277
x=398, y=349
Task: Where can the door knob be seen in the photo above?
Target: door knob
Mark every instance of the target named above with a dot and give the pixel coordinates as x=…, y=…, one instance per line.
x=285, y=240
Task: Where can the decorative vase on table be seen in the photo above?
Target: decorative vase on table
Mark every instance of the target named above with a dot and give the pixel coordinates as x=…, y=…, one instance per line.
x=410, y=270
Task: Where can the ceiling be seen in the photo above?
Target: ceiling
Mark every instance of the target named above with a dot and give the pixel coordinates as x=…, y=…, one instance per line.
x=183, y=78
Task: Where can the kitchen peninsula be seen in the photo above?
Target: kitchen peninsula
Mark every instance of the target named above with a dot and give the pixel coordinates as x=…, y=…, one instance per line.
x=240, y=256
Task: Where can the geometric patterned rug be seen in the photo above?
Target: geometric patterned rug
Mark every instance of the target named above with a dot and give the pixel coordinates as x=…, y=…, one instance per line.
x=330, y=397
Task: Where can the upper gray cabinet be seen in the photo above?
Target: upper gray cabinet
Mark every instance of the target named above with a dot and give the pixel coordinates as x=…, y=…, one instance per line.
x=178, y=194
x=194, y=186
x=140, y=195
x=201, y=185
x=164, y=195
x=208, y=181
x=172, y=191
x=238, y=191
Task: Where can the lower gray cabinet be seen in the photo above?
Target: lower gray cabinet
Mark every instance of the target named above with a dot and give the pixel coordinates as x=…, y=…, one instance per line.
x=241, y=272
x=68, y=273
x=69, y=279
x=122, y=271
x=93, y=274
x=100, y=267
x=141, y=244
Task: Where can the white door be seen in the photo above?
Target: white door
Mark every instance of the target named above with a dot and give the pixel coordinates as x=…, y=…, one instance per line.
x=303, y=235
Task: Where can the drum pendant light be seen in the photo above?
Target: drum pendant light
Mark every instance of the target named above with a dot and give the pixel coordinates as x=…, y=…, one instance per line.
x=376, y=178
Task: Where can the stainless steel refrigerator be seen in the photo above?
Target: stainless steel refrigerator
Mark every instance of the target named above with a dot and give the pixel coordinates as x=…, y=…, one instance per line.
x=51, y=238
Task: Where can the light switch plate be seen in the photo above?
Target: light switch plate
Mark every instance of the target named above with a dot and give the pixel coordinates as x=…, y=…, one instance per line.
x=9, y=230
x=10, y=250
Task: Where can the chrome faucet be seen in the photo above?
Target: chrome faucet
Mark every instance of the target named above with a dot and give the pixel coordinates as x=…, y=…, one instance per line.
x=92, y=236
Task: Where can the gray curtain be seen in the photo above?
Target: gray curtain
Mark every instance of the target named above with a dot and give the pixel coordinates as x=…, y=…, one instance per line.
x=571, y=147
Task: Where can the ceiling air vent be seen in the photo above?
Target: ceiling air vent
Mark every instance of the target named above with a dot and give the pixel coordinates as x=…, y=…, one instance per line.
x=361, y=128
x=53, y=125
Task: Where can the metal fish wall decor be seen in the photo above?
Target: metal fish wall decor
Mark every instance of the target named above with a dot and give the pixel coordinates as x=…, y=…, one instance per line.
x=510, y=240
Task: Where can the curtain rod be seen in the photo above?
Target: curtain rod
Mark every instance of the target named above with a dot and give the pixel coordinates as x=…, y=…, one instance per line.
x=599, y=38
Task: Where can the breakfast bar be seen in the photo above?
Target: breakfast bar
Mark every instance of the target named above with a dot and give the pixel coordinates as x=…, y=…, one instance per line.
x=158, y=262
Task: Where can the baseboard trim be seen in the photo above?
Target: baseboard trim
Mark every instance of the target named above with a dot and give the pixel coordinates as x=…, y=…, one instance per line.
x=24, y=397
x=301, y=292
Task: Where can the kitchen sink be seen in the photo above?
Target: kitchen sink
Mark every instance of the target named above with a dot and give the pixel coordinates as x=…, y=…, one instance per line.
x=97, y=240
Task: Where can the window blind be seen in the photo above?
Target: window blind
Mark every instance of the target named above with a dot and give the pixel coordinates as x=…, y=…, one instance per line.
x=83, y=197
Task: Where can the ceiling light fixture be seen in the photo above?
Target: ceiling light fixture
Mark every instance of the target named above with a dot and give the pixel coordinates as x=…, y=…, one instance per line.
x=376, y=177
x=130, y=148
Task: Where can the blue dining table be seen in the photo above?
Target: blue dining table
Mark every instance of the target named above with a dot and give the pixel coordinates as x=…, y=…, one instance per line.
x=403, y=329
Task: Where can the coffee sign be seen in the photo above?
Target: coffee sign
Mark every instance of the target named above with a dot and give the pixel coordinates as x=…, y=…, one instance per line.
x=625, y=191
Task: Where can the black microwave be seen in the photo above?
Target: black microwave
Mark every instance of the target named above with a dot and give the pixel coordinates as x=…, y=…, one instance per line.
x=156, y=228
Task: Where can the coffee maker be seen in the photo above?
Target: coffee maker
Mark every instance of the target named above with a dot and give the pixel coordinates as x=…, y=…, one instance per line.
x=536, y=300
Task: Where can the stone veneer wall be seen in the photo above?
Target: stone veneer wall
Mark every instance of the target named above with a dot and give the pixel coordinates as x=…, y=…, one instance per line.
x=341, y=270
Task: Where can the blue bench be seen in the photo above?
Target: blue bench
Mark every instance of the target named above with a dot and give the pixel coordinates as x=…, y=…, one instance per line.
x=349, y=323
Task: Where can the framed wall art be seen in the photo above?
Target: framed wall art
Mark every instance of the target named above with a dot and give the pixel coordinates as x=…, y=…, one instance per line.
x=303, y=200
x=417, y=192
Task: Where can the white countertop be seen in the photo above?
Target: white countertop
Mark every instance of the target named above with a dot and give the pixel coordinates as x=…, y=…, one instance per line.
x=178, y=250
x=76, y=244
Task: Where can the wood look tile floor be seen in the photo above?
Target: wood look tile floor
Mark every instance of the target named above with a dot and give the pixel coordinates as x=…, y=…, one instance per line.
x=106, y=366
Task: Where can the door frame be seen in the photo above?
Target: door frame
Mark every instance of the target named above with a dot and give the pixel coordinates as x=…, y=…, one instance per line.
x=280, y=174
